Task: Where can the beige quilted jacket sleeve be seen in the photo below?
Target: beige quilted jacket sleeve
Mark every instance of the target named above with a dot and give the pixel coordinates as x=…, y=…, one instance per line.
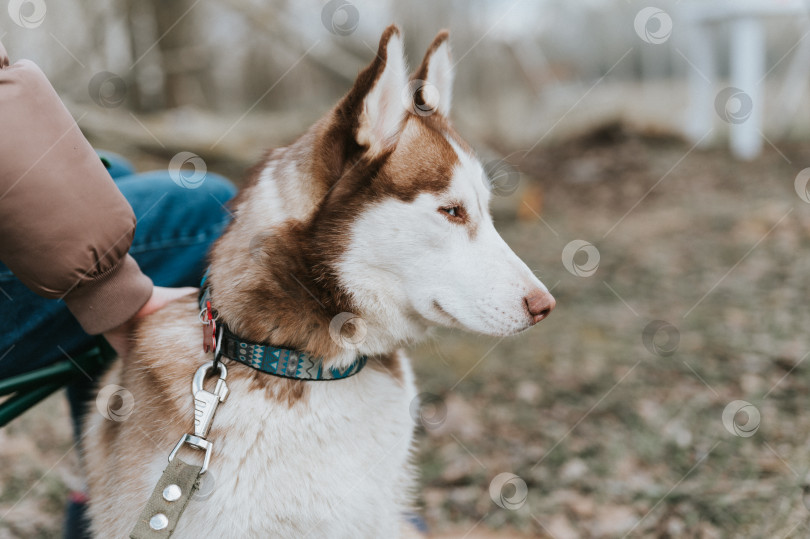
x=65, y=229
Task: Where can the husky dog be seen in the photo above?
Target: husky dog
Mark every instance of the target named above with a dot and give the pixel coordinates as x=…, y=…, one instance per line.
x=353, y=241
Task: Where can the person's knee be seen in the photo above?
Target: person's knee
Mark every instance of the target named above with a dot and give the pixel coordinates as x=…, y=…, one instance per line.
x=153, y=193
x=219, y=187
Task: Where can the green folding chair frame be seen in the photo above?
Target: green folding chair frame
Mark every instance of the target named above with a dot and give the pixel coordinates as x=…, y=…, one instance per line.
x=32, y=387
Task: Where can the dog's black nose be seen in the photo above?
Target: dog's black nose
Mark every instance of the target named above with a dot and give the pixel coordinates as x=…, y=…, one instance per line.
x=539, y=303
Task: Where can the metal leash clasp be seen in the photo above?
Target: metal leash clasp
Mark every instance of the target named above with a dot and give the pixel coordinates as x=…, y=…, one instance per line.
x=205, y=402
x=205, y=406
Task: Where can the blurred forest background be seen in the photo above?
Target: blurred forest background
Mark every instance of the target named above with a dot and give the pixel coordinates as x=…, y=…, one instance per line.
x=657, y=192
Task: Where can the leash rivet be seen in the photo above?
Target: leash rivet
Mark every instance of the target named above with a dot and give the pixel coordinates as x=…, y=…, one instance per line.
x=159, y=522
x=172, y=493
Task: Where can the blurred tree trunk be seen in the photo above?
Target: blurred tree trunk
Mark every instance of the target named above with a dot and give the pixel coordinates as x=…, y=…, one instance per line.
x=145, y=78
x=183, y=53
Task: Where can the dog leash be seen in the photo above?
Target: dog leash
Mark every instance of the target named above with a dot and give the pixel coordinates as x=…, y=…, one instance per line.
x=180, y=480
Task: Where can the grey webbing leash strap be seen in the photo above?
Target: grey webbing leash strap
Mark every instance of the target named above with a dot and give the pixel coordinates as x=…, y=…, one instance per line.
x=167, y=502
x=180, y=480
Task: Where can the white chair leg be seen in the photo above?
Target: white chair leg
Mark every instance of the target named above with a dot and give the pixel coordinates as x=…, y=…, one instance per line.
x=747, y=71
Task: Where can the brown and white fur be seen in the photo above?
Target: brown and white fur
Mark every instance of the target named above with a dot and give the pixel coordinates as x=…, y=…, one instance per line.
x=376, y=211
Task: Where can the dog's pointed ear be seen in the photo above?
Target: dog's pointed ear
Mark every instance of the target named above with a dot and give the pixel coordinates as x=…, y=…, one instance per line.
x=381, y=113
x=436, y=73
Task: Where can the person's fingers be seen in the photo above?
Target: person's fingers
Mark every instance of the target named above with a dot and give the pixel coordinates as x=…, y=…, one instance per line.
x=120, y=338
x=162, y=296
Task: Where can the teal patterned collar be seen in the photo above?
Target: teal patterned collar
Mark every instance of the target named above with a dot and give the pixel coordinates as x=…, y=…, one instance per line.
x=270, y=359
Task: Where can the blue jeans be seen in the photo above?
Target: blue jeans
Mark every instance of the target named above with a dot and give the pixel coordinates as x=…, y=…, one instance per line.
x=175, y=228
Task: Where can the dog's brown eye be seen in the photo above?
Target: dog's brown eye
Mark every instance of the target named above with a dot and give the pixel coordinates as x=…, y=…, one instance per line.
x=453, y=212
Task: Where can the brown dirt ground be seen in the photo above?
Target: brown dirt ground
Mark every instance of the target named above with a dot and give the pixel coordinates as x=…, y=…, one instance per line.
x=609, y=437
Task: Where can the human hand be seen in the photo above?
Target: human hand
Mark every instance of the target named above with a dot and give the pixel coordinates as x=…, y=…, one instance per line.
x=120, y=338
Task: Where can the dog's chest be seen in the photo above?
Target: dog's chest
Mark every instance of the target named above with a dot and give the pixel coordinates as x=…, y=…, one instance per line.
x=334, y=464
